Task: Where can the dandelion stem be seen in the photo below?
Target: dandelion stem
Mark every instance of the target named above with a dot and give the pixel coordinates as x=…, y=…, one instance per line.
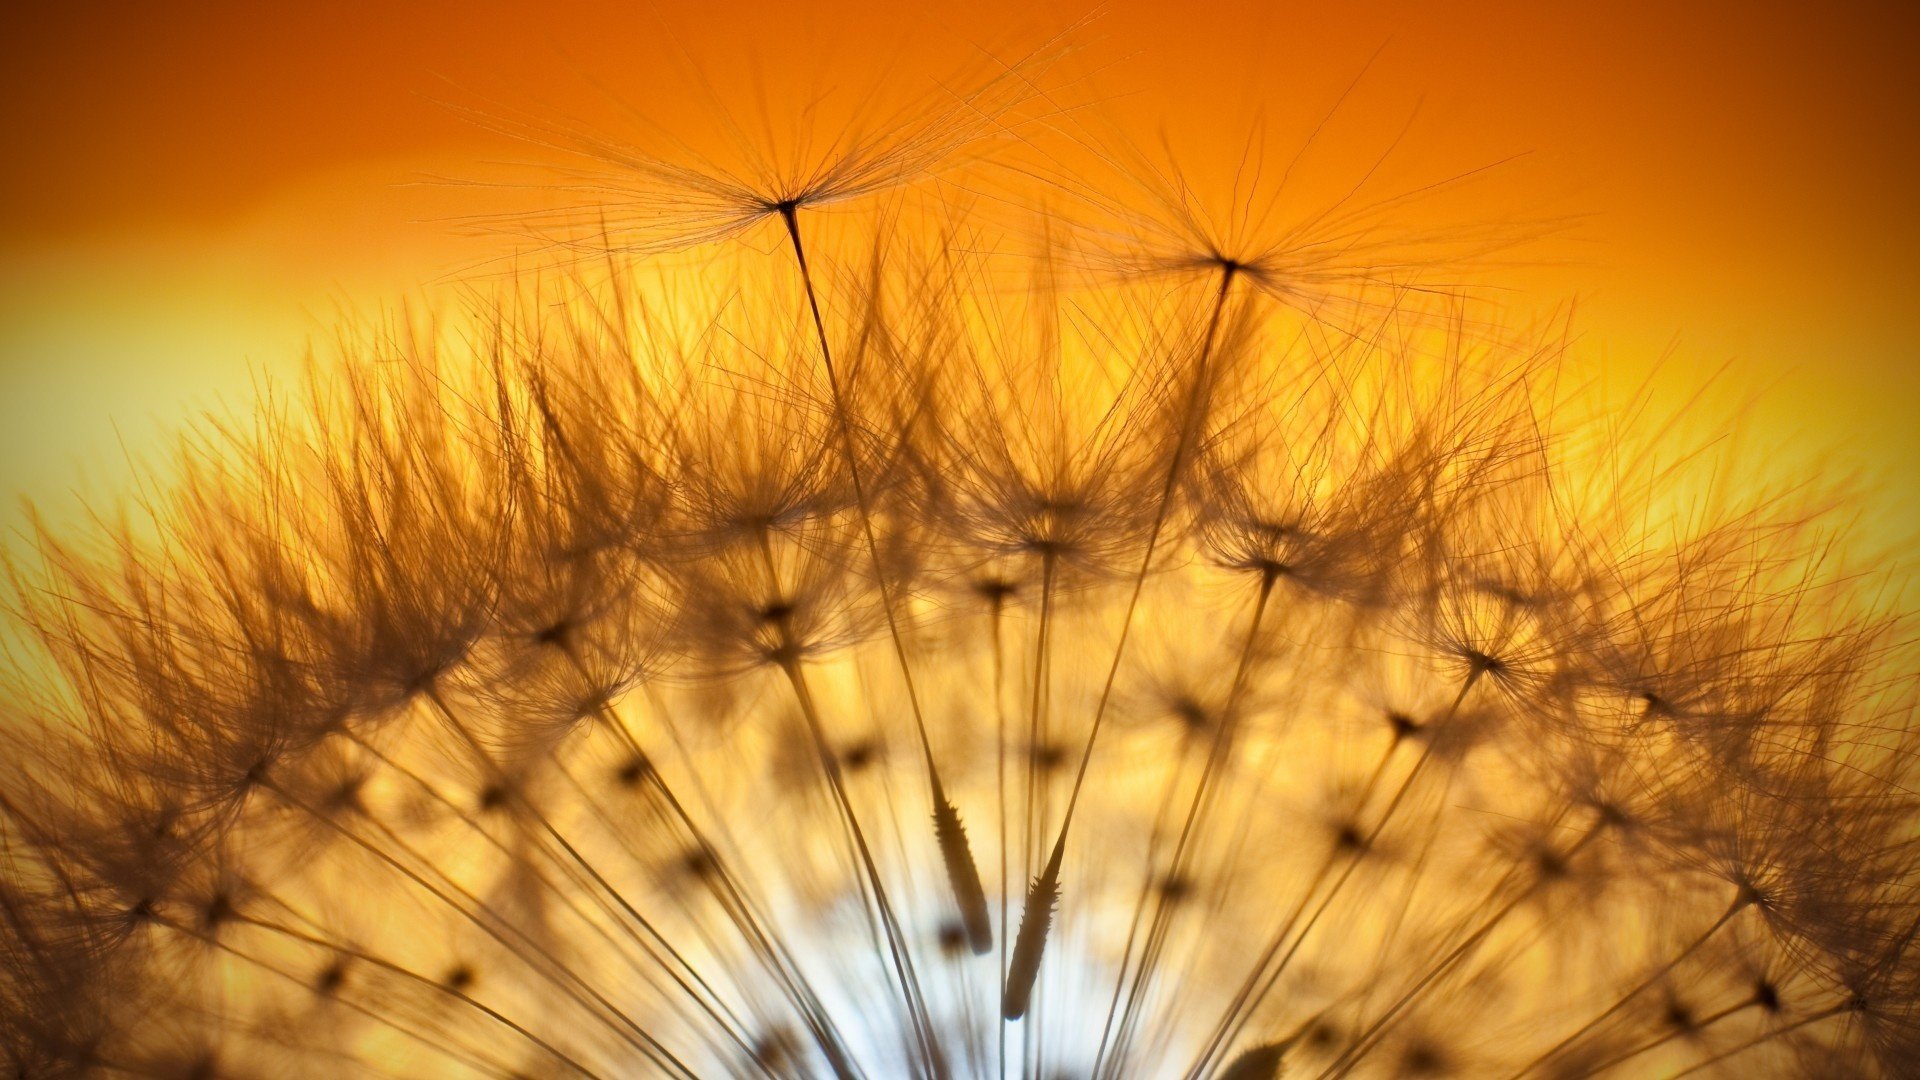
x=963, y=874
x=773, y=953
x=573, y=985
x=705, y=997
x=1739, y=904
x=788, y=653
x=1000, y=785
x=902, y=961
x=728, y=1023
x=827, y=1034
x=1037, y=733
x=1044, y=892
x=1163, y=510
x=1021, y=964
x=1732, y=1051
x=381, y=1016
x=1248, y=998
x=1370, y=1037
x=1655, y=1043
x=1190, y=827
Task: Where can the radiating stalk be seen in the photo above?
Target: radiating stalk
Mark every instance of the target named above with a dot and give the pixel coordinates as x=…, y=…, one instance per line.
x=963, y=874
x=1044, y=893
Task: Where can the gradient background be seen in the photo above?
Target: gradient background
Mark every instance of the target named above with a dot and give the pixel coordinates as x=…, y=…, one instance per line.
x=194, y=191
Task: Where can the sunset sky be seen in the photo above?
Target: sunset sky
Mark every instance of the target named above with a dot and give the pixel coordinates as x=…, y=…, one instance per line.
x=193, y=190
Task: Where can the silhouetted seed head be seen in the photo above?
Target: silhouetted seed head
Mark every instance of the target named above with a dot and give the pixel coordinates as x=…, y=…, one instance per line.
x=727, y=686
x=216, y=910
x=663, y=195
x=1137, y=214
x=1191, y=714
x=1264, y=1062
x=1322, y=1035
x=346, y=795
x=1549, y=864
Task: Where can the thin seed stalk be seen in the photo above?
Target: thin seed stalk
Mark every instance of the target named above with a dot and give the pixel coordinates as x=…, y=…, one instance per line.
x=627, y=1030
x=1662, y=1040
x=774, y=955
x=565, y=899
x=963, y=874
x=382, y=1016
x=924, y=1033
x=1044, y=893
x=1768, y=1036
x=1000, y=780
x=1256, y=986
x=713, y=1008
x=1739, y=904
x=1190, y=826
x=921, y=1023
x=1371, y=1036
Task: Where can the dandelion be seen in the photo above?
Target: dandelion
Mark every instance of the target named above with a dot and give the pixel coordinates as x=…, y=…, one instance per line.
x=592, y=684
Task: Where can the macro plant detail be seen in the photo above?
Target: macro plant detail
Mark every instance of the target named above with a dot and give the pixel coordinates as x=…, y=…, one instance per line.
x=905, y=607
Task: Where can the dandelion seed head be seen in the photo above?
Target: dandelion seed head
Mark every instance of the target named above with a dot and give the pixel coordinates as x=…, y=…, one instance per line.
x=1231, y=663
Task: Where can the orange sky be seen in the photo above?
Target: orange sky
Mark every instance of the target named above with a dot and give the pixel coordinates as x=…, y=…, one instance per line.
x=190, y=193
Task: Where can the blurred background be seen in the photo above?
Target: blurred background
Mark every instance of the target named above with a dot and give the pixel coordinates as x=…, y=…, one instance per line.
x=197, y=192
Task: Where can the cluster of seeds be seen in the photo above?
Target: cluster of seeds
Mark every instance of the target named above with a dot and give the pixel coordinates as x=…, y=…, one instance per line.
x=1155, y=647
